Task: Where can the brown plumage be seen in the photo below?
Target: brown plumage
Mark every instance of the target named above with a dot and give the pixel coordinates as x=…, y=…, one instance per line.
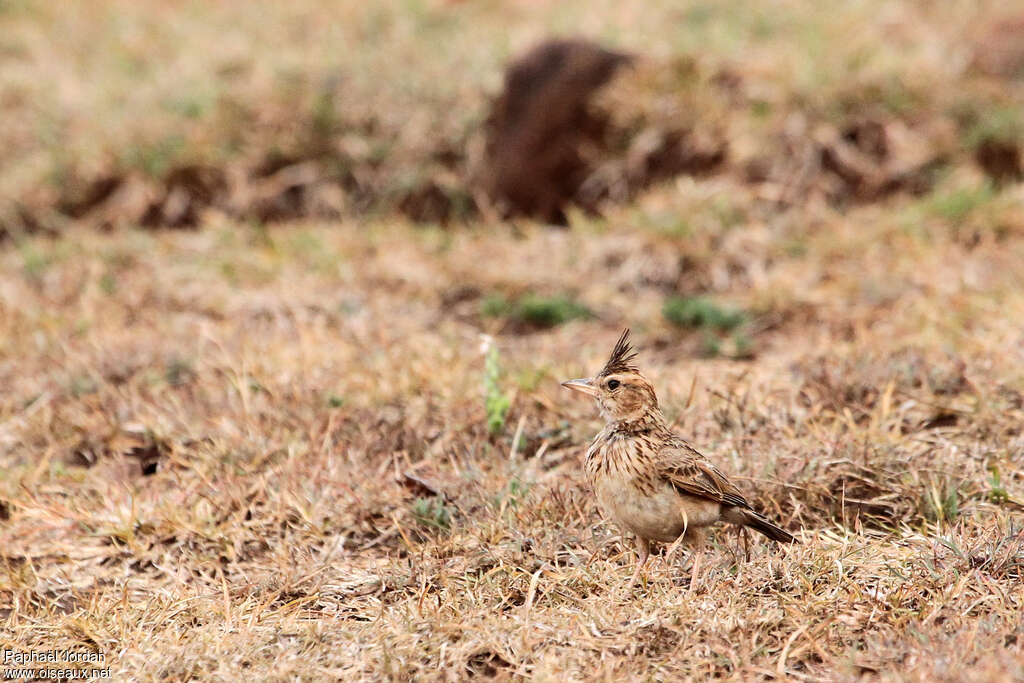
x=648, y=479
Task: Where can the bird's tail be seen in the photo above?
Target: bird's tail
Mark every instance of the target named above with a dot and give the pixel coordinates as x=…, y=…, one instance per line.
x=760, y=523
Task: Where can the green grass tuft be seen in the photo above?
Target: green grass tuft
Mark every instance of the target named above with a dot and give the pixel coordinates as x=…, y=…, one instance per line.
x=942, y=502
x=535, y=310
x=701, y=313
x=1000, y=124
x=957, y=205
x=432, y=512
x=550, y=311
x=496, y=403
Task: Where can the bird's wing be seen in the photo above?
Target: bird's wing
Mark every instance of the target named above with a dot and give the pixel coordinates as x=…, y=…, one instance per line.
x=691, y=473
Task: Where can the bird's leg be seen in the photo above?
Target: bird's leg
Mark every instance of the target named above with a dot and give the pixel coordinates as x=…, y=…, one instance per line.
x=643, y=549
x=696, y=544
x=741, y=535
x=696, y=569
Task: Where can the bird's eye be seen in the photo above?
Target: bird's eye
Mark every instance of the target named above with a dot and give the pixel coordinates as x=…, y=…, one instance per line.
x=613, y=384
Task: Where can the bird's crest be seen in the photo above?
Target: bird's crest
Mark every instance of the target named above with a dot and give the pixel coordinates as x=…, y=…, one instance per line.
x=622, y=357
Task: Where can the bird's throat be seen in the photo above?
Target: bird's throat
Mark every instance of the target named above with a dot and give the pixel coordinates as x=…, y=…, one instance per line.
x=644, y=422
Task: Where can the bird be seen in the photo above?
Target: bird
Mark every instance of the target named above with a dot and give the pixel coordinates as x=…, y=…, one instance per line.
x=649, y=480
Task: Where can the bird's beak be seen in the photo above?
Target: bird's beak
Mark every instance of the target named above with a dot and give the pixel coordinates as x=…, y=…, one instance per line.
x=584, y=385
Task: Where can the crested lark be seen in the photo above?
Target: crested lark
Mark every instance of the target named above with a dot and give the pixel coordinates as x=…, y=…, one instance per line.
x=648, y=479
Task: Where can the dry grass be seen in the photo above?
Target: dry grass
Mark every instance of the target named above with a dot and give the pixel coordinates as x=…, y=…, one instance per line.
x=266, y=451
x=157, y=112
x=328, y=501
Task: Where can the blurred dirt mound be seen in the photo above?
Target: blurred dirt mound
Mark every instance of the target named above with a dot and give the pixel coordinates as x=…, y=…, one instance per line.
x=576, y=124
x=573, y=127
x=541, y=126
x=865, y=159
x=1000, y=159
x=319, y=184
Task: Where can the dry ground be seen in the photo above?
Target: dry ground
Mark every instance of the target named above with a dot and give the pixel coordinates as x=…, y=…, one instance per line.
x=282, y=452
x=327, y=500
x=154, y=112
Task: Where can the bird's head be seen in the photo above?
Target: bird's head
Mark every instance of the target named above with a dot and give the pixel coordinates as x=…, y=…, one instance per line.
x=622, y=392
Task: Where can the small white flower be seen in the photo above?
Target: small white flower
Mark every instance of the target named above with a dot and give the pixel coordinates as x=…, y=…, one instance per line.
x=486, y=342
